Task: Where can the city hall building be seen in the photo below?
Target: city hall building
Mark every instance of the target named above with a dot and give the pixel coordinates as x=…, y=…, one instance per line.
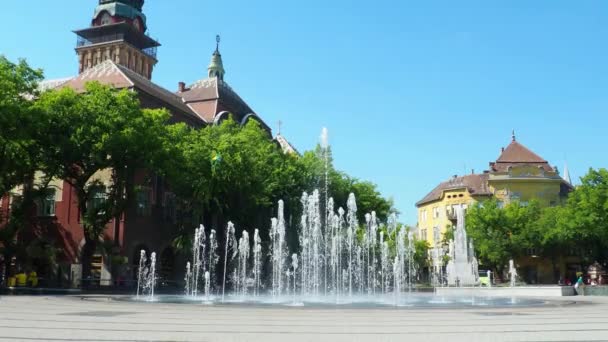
x=116, y=50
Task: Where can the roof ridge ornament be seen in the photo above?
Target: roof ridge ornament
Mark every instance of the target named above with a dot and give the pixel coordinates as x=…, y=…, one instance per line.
x=216, y=67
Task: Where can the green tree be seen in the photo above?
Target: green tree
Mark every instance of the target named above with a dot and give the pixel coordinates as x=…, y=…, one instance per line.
x=341, y=185
x=584, y=220
x=421, y=256
x=99, y=130
x=23, y=145
x=19, y=149
x=230, y=172
x=503, y=233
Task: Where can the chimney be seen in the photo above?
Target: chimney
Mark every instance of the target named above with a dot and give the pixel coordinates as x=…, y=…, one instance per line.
x=472, y=171
x=181, y=87
x=502, y=149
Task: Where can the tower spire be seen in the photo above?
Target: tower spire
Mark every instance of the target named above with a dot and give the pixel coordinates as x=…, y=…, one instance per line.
x=216, y=67
x=567, y=173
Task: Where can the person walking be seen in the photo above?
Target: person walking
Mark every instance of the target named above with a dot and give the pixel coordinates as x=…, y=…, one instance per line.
x=579, y=287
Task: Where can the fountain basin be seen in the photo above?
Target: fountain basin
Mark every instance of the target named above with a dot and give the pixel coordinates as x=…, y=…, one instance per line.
x=521, y=291
x=407, y=301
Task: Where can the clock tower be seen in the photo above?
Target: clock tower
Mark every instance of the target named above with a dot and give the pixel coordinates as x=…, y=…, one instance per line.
x=118, y=32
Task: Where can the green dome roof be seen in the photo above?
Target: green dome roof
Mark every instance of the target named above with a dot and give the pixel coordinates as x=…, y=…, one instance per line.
x=122, y=8
x=137, y=4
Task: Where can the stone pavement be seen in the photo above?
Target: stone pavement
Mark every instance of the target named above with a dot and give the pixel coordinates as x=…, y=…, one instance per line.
x=71, y=318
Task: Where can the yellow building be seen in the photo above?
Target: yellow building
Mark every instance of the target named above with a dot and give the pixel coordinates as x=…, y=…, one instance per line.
x=518, y=174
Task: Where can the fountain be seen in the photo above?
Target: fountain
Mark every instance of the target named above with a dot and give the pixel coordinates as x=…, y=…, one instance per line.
x=337, y=260
x=146, y=276
x=257, y=262
x=512, y=273
x=294, y=265
x=437, y=254
x=141, y=270
x=243, y=249
x=462, y=268
x=339, y=263
x=278, y=250
x=228, y=247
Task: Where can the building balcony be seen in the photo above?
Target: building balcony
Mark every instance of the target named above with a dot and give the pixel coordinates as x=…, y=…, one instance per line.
x=82, y=42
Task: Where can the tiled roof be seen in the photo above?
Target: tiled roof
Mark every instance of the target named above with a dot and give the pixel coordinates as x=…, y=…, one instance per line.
x=476, y=184
x=286, y=146
x=117, y=76
x=517, y=153
x=210, y=96
x=52, y=84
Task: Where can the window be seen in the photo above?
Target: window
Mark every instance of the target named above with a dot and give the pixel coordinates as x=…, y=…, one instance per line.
x=515, y=196
x=106, y=19
x=436, y=234
x=46, y=204
x=435, y=212
x=97, y=199
x=423, y=215
x=169, y=212
x=143, y=202
x=423, y=234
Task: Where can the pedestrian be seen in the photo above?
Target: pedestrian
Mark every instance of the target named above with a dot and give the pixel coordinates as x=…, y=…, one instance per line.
x=579, y=287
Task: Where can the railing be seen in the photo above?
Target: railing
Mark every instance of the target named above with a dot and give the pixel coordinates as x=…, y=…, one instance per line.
x=82, y=42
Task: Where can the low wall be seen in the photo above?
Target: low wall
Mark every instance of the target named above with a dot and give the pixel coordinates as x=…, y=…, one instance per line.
x=595, y=291
x=522, y=291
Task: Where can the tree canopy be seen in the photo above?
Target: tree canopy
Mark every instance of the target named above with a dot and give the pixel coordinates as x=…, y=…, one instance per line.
x=21, y=140
x=101, y=129
x=579, y=227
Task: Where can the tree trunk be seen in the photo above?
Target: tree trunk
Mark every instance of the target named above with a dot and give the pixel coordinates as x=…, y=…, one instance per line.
x=554, y=268
x=88, y=250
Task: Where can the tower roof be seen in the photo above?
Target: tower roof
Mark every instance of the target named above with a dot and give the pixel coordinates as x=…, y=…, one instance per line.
x=212, y=99
x=518, y=154
x=567, y=177
x=137, y=4
x=216, y=67
x=122, y=8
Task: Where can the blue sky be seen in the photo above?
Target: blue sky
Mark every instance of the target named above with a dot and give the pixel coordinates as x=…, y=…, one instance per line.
x=412, y=92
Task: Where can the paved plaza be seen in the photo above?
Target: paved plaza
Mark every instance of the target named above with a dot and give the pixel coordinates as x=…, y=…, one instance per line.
x=74, y=318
